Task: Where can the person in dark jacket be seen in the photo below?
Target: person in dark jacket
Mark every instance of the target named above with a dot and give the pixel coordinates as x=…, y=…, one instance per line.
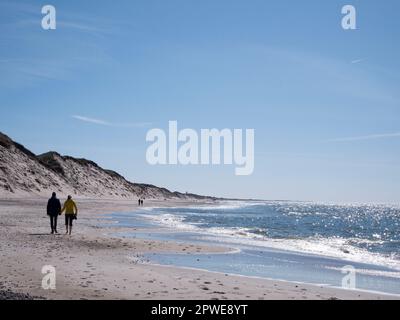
x=53, y=211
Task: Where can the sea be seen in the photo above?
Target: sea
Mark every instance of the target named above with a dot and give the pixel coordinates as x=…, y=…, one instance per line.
x=306, y=242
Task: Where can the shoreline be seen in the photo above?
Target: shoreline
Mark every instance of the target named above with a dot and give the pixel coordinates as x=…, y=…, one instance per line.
x=94, y=264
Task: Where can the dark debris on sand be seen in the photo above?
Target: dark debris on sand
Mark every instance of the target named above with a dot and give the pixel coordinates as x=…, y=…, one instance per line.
x=10, y=295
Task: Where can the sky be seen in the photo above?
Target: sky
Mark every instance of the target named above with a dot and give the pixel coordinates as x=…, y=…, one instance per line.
x=324, y=102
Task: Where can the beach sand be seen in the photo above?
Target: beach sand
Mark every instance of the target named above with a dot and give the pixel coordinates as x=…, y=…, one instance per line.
x=93, y=264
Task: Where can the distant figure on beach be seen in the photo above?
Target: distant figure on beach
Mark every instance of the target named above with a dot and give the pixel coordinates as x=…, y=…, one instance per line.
x=142, y=201
x=71, y=212
x=139, y=202
x=53, y=211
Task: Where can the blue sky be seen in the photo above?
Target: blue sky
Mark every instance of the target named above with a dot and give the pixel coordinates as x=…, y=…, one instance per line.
x=324, y=102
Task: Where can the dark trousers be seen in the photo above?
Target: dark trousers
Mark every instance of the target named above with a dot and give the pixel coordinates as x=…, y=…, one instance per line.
x=53, y=222
x=68, y=219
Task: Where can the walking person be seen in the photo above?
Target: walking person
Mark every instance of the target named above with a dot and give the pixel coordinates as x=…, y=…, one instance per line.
x=71, y=212
x=53, y=211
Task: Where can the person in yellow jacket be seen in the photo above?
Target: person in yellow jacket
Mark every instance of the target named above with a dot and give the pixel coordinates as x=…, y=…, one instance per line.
x=71, y=212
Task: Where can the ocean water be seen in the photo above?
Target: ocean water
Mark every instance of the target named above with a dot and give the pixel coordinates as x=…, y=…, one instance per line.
x=296, y=241
x=363, y=233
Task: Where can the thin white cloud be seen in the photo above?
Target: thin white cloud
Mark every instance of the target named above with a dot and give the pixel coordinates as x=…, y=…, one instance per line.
x=91, y=120
x=111, y=124
x=368, y=137
x=357, y=61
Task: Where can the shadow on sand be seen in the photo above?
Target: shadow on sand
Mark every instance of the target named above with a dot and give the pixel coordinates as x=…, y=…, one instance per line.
x=43, y=234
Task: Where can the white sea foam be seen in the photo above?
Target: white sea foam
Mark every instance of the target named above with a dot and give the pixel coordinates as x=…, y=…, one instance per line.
x=371, y=272
x=220, y=205
x=173, y=221
x=231, y=204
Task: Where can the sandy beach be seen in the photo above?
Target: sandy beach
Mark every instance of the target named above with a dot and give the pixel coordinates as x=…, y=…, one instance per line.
x=94, y=264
